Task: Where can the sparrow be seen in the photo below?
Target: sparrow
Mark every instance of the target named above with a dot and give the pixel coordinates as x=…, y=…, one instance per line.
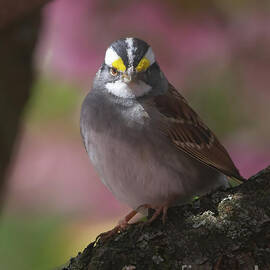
x=148, y=146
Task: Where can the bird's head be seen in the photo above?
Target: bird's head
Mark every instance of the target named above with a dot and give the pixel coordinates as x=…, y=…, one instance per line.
x=130, y=70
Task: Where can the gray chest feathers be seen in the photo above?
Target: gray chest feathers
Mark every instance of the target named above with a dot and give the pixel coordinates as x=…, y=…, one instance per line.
x=134, y=160
x=115, y=133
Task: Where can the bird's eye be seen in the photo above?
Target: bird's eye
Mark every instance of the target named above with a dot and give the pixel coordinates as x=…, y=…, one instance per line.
x=113, y=71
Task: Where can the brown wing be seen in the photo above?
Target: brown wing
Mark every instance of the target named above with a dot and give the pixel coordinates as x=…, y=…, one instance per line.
x=190, y=135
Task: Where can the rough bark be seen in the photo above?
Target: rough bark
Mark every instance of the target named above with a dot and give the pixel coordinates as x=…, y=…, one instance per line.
x=228, y=229
x=18, y=37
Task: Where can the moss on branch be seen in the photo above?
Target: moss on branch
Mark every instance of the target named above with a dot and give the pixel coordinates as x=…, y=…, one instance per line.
x=223, y=230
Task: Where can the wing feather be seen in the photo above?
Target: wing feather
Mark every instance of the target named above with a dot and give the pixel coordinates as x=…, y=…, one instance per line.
x=189, y=134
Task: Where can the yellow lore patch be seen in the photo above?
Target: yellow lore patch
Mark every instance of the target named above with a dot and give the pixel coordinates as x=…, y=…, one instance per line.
x=143, y=65
x=119, y=65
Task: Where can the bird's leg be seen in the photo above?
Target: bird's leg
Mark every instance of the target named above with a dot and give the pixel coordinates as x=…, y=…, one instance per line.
x=123, y=223
x=162, y=209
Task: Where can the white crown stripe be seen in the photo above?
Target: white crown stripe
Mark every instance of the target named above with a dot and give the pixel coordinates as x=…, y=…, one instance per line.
x=130, y=48
x=110, y=56
x=150, y=56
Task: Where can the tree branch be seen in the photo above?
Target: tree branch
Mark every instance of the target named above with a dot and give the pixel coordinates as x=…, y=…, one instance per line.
x=223, y=230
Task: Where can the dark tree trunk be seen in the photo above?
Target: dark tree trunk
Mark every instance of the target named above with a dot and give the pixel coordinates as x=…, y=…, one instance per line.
x=223, y=230
x=14, y=11
x=19, y=28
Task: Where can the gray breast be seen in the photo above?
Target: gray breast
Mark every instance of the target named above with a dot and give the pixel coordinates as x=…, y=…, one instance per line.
x=132, y=157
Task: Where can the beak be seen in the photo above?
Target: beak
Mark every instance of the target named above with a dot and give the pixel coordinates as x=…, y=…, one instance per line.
x=129, y=77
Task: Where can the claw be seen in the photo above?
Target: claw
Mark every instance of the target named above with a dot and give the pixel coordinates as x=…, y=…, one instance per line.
x=162, y=209
x=106, y=235
x=123, y=224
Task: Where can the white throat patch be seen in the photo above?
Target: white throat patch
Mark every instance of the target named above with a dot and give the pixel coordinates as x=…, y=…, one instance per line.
x=130, y=90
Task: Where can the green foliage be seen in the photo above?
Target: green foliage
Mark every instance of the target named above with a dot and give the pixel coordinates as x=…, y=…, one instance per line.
x=218, y=102
x=31, y=242
x=51, y=101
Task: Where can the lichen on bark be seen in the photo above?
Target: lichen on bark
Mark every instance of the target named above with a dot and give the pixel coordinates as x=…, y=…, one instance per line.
x=227, y=229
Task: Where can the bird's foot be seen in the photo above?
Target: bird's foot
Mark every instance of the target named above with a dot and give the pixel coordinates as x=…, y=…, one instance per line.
x=122, y=224
x=158, y=210
x=106, y=235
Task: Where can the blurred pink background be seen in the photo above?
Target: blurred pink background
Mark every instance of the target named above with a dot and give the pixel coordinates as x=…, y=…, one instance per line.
x=218, y=56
